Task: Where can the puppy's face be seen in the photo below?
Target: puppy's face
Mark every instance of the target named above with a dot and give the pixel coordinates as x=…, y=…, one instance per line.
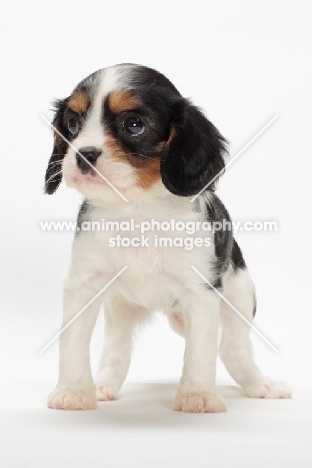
x=128, y=126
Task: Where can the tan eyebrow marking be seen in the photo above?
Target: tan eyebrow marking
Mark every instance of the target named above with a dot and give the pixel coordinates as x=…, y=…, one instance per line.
x=120, y=101
x=79, y=102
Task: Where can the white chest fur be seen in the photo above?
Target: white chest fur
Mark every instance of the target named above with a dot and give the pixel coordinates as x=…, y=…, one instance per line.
x=148, y=238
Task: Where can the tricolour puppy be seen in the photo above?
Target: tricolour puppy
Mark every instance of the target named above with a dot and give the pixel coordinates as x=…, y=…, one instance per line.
x=134, y=137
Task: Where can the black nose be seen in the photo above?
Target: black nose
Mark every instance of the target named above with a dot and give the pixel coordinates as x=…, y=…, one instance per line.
x=88, y=153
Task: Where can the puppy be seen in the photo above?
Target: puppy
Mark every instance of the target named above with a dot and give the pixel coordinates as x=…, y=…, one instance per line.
x=139, y=152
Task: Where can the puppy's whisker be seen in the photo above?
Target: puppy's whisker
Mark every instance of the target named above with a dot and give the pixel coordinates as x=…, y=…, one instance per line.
x=53, y=176
x=144, y=156
x=53, y=163
x=145, y=174
x=108, y=123
x=142, y=184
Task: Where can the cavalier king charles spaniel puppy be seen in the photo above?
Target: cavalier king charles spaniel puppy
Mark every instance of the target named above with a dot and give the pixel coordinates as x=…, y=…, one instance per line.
x=139, y=152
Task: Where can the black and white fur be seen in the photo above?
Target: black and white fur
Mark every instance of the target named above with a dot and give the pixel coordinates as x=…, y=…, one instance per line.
x=158, y=170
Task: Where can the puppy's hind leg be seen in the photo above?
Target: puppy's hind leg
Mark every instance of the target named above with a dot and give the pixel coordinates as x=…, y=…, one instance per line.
x=235, y=347
x=199, y=322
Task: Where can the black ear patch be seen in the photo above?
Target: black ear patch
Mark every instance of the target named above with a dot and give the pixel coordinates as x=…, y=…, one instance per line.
x=194, y=153
x=53, y=176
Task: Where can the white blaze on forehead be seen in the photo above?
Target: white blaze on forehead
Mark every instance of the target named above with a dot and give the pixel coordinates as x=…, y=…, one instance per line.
x=110, y=79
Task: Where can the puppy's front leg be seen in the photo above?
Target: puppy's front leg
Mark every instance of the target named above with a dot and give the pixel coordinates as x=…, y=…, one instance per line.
x=196, y=392
x=75, y=388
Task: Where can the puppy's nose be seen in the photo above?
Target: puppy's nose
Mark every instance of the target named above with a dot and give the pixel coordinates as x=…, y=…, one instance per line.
x=90, y=154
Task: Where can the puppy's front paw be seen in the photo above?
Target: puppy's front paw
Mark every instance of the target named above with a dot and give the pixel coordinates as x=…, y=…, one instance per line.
x=106, y=391
x=72, y=399
x=268, y=389
x=201, y=402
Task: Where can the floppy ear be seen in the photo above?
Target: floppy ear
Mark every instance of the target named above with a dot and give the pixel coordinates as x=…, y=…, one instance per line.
x=53, y=176
x=193, y=154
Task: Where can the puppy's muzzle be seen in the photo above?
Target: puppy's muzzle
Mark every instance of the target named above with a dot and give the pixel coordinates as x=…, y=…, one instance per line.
x=85, y=155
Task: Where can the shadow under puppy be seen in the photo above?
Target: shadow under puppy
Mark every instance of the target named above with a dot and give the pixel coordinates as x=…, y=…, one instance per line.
x=130, y=125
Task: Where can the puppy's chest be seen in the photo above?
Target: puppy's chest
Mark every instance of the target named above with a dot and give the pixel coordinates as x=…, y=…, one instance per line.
x=146, y=240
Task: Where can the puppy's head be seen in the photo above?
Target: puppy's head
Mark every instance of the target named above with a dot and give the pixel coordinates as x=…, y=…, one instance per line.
x=128, y=126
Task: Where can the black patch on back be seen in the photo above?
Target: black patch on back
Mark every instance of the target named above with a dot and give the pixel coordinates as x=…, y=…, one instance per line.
x=226, y=248
x=237, y=257
x=223, y=239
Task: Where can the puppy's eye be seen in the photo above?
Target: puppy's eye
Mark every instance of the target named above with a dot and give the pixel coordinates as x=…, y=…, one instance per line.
x=73, y=125
x=133, y=126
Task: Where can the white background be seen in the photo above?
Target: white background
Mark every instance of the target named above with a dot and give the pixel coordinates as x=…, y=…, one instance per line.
x=243, y=62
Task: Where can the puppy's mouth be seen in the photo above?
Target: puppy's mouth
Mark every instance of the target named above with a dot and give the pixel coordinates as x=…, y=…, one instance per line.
x=88, y=176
